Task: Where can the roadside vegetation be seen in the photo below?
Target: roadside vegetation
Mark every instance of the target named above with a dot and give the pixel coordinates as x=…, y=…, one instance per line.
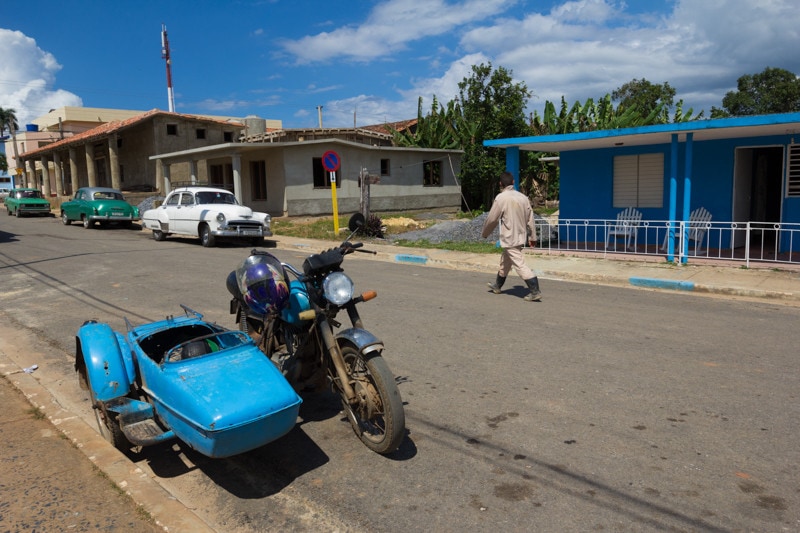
x=491, y=105
x=396, y=223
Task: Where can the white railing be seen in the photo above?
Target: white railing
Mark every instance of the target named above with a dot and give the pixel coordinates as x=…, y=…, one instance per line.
x=736, y=241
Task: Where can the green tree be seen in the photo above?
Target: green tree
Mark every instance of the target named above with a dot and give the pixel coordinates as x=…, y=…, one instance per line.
x=774, y=90
x=438, y=129
x=646, y=97
x=8, y=121
x=589, y=116
x=494, y=108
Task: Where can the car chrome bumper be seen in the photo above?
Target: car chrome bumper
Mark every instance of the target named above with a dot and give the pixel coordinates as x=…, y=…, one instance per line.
x=112, y=218
x=241, y=232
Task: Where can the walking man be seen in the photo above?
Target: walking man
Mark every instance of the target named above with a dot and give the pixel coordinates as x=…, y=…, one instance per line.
x=512, y=211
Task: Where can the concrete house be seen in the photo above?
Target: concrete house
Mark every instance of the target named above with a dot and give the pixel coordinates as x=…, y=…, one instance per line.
x=268, y=168
x=54, y=126
x=742, y=170
x=282, y=172
x=115, y=154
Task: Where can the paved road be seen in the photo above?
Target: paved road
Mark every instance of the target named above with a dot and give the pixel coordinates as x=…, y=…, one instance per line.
x=600, y=408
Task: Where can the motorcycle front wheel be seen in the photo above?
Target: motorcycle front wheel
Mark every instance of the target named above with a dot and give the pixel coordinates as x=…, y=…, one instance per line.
x=377, y=416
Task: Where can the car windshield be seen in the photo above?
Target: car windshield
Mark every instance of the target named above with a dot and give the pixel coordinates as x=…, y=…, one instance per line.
x=214, y=197
x=29, y=194
x=107, y=195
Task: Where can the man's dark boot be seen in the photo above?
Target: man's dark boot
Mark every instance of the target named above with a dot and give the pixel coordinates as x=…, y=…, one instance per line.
x=533, y=284
x=497, y=285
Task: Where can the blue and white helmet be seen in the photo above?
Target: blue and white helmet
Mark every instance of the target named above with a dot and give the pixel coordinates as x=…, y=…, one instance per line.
x=263, y=284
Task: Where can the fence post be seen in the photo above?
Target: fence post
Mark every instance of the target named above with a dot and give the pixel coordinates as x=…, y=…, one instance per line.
x=747, y=245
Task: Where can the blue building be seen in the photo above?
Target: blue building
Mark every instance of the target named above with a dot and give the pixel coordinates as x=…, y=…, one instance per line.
x=744, y=169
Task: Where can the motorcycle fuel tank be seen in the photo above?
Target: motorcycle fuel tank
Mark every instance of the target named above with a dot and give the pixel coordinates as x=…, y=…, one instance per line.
x=298, y=302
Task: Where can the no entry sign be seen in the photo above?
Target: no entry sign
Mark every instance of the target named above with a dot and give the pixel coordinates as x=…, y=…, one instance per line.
x=331, y=161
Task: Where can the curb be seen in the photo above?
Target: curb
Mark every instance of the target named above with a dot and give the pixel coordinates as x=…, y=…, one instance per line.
x=677, y=285
x=408, y=258
x=166, y=511
x=655, y=283
x=440, y=259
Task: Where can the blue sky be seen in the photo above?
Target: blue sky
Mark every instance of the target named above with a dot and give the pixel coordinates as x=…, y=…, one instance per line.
x=368, y=62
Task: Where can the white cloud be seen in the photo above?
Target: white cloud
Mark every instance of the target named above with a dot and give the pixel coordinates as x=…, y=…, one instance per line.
x=361, y=110
x=589, y=48
x=369, y=109
x=444, y=87
x=390, y=27
x=27, y=74
x=581, y=49
x=583, y=11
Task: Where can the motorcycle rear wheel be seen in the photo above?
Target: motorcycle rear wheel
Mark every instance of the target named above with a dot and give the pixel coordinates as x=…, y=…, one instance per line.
x=377, y=417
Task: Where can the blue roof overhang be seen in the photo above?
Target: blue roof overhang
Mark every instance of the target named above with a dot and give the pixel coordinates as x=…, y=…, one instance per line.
x=701, y=130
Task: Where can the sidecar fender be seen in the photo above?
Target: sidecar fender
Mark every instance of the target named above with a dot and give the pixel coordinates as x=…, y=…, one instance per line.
x=363, y=340
x=110, y=375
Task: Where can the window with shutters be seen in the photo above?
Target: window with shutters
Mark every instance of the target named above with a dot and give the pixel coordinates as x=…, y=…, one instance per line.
x=793, y=179
x=639, y=180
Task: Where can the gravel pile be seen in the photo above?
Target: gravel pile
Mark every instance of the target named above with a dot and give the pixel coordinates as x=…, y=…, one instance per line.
x=149, y=203
x=468, y=231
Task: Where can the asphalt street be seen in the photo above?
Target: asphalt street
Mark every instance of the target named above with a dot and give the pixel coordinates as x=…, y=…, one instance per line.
x=602, y=407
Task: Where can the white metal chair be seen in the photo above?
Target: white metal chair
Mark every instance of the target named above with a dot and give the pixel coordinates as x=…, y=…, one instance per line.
x=626, y=226
x=699, y=222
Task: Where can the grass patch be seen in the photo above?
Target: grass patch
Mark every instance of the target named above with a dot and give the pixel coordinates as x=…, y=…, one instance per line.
x=318, y=229
x=545, y=211
x=469, y=214
x=322, y=229
x=36, y=413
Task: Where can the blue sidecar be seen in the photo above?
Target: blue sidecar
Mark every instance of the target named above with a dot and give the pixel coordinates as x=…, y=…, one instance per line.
x=183, y=378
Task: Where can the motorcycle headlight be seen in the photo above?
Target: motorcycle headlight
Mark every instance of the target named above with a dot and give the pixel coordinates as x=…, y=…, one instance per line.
x=338, y=288
x=220, y=218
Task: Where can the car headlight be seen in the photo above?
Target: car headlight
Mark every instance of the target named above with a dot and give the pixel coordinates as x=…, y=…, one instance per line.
x=338, y=288
x=220, y=218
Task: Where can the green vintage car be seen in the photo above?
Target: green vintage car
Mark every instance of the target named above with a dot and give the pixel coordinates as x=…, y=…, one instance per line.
x=99, y=204
x=27, y=201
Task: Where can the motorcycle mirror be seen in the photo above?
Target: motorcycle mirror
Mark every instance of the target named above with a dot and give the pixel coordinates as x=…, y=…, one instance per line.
x=356, y=222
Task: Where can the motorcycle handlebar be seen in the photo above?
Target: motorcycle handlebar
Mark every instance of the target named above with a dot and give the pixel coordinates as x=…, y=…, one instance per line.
x=349, y=247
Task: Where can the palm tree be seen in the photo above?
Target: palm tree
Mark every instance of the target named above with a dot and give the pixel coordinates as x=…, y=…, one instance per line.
x=8, y=120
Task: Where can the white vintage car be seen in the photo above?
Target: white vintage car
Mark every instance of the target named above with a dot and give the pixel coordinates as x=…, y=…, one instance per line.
x=208, y=213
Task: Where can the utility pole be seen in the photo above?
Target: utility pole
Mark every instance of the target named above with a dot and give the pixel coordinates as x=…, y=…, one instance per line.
x=319, y=114
x=165, y=56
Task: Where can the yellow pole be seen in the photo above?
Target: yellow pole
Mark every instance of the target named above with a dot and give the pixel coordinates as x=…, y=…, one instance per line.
x=335, y=206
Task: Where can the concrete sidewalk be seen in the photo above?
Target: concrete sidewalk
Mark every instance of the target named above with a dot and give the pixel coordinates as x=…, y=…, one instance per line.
x=771, y=281
x=59, y=474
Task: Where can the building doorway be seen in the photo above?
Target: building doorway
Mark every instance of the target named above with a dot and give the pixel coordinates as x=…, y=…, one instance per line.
x=757, y=193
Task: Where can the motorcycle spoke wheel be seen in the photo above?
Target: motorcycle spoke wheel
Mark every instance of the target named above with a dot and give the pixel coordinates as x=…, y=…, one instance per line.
x=377, y=415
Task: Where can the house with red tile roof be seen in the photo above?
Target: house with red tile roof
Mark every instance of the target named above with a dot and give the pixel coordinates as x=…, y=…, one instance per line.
x=268, y=168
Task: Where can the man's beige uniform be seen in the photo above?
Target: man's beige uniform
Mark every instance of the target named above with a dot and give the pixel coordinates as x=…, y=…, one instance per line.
x=512, y=211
